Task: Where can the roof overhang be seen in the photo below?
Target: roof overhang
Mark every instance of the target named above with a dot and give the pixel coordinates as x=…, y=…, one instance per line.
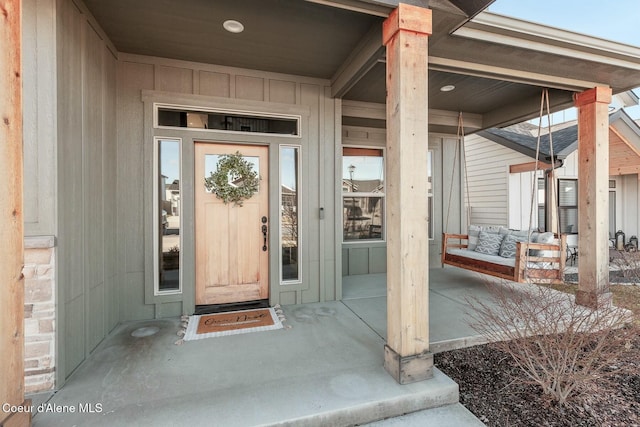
x=499, y=65
x=624, y=143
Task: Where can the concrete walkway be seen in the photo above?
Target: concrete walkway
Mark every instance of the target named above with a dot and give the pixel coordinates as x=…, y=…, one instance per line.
x=326, y=370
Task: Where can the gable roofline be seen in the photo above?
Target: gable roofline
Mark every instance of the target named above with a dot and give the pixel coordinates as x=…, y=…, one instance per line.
x=567, y=137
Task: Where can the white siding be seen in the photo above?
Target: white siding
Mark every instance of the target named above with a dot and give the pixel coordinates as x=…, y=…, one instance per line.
x=628, y=205
x=488, y=180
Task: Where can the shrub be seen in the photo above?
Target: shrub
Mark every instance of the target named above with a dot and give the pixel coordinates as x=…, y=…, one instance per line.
x=558, y=345
x=628, y=263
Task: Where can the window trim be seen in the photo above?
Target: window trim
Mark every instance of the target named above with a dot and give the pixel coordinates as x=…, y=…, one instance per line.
x=567, y=207
x=382, y=195
x=156, y=218
x=297, y=281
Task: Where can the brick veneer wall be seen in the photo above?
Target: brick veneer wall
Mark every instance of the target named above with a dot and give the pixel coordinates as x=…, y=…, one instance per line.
x=39, y=313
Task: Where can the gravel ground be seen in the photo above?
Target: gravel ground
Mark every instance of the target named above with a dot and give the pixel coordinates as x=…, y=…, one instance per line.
x=615, y=276
x=487, y=388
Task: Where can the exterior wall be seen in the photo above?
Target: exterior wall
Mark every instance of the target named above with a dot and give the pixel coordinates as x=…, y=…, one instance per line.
x=87, y=281
x=39, y=314
x=205, y=85
x=488, y=177
x=627, y=218
x=495, y=192
x=39, y=138
x=39, y=116
x=361, y=257
x=371, y=257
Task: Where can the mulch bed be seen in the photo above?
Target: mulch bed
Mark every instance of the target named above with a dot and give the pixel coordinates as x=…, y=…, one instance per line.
x=487, y=388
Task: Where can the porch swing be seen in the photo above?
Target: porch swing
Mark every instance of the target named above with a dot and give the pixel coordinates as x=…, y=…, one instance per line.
x=524, y=256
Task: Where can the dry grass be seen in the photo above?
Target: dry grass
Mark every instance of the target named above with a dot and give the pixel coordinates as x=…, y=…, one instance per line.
x=624, y=296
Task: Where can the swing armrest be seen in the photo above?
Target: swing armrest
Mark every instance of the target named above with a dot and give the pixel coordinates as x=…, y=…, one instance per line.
x=446, y=245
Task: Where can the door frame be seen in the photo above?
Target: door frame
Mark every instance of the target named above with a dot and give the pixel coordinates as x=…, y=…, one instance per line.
x=184, y=303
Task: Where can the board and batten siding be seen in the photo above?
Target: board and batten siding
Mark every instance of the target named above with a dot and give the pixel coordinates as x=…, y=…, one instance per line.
x=39, y=192
x=206, y=83
x=371, y=257
x=367, y=257
x=88, y=294
x=39, y=116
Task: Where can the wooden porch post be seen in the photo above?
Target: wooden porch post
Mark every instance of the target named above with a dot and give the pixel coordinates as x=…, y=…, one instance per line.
x=405, y=35
x=11, y=225
x=593, y=196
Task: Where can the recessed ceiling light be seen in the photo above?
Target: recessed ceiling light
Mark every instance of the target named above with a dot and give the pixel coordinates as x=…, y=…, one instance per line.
x=447, y=88
x=233, y=26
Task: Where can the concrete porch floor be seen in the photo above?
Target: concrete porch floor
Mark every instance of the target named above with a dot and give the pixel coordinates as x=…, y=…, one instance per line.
x=326, y=370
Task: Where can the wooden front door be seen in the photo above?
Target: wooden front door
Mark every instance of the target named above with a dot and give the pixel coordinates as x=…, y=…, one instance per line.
x=232, y=258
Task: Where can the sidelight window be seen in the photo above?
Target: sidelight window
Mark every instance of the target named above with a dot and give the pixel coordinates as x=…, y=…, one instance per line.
x=289, y=214
x=167, y=213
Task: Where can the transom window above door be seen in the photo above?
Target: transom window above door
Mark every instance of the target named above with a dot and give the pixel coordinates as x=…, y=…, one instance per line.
x=231, y=121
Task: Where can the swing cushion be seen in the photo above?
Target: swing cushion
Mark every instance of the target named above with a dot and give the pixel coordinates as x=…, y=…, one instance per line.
x=493, y=259
x=508, y=246
x=474, y=232
x=489, y=243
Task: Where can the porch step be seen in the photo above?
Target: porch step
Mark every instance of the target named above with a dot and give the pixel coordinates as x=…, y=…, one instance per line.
x=416, y=399
x=454, y=415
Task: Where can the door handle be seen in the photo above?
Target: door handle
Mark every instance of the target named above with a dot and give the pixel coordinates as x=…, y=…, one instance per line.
x=264, y=235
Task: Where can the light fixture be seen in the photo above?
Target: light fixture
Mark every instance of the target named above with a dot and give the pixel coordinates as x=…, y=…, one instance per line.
x=233, y=26
x=447, y=88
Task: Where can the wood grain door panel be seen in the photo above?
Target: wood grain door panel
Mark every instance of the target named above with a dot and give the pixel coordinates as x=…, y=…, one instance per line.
x=231, y=265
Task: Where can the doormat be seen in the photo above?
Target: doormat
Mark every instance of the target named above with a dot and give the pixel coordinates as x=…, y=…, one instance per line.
x=232, y=323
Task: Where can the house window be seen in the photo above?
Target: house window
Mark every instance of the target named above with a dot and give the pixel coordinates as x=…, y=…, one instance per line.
x=289, y=209
x=362, y=194
x=542, y=213
x=167, y=210
x=568, y=205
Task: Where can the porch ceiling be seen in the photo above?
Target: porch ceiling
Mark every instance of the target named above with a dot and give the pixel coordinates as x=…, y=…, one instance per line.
x=497, y=64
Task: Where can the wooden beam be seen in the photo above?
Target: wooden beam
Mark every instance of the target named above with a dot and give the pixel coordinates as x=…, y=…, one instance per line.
x=506, y=74
x=11, y=226
x=528, y=167
x=371, y=110
x=524, y=109
x=624, y=170
x=593, y=196
x=366, y=54
x=406, y=37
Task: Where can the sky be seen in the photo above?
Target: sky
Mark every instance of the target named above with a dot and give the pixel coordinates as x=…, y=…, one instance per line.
x=616, y=20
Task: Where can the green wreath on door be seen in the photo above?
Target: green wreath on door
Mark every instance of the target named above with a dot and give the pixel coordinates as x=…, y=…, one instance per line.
x=233, y=168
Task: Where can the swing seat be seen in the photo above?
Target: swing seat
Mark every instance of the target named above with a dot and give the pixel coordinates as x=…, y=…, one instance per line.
x=544, y=264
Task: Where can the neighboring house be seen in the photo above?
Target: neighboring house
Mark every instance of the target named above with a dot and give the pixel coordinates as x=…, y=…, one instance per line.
x=173, y=197
x=501, y=176
x=118, y=93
